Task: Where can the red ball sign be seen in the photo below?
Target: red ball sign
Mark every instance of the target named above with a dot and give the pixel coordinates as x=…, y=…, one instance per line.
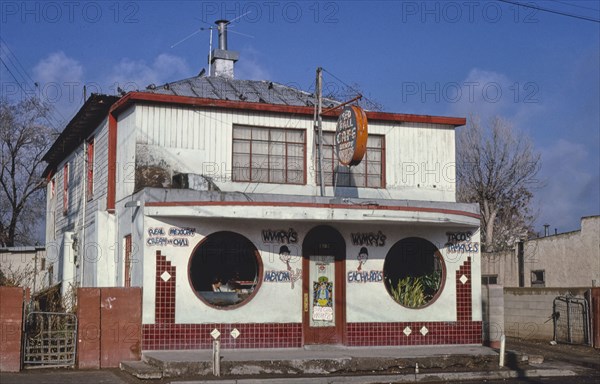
x=351, y=135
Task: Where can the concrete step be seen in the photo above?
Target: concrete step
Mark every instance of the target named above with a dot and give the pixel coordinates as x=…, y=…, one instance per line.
x=141, y=370
x=182, y=365
x=313, y=361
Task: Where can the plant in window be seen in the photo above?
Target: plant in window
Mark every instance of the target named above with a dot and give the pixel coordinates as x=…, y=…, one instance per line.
x=409, y=292
x=413, y=272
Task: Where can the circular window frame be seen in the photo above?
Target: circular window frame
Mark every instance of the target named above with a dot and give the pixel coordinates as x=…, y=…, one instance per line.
x=259, y=262
x=437, y=254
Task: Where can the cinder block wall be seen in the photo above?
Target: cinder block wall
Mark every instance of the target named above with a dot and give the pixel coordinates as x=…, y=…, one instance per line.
x=528, y=311
x=492, y=297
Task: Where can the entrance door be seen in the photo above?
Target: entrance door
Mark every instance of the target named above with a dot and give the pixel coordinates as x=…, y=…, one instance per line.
x=323, y=286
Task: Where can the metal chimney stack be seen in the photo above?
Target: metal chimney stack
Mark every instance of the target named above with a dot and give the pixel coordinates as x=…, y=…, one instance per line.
x=222, y=59
x=222, y=28
x=546, y=231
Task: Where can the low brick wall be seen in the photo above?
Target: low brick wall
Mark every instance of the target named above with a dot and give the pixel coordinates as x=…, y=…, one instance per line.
x=528, y=311
x=11, y=324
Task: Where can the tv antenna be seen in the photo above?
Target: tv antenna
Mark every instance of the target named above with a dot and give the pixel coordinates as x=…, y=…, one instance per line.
x=223, y=26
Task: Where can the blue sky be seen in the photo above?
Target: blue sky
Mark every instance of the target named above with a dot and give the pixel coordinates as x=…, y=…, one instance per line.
x=537, y=69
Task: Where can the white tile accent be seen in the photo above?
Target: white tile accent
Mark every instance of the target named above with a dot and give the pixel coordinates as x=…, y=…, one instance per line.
x=463, y=279
x=424, y=331
x=215, y=333
x=235, y=333
x=407, y=331
x=165, y=276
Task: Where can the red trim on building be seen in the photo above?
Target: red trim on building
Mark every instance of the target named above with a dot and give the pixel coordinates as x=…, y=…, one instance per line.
x=308, y=205
x=90, y=169
x=277, y=108
x=111, y=189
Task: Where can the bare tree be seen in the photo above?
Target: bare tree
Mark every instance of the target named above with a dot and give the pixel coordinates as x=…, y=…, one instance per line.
x=23, y=140
x=496, y=167
x=16, y=276
x=349, y=91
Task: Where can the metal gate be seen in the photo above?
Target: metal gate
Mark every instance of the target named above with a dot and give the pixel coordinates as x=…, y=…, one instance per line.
x=571, y=320
x=50, y=340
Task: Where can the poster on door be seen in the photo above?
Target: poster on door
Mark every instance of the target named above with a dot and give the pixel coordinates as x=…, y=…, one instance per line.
x=321, y=287
x=323, y=299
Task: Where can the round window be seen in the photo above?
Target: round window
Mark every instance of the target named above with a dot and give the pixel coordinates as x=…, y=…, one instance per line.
x=413, y=272
x=225, y=270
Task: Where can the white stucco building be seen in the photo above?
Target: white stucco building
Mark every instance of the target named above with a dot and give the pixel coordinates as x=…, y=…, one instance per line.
x=205, y=193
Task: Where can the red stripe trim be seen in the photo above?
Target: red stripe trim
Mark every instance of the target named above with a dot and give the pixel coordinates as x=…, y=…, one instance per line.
x=276, y=108
x=111, y=189
x=308, y=205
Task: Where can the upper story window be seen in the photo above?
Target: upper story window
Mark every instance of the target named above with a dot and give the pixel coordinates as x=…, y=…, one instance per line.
x=370, y=173
x=90, y=169
x=269, y=155
x=66, y=189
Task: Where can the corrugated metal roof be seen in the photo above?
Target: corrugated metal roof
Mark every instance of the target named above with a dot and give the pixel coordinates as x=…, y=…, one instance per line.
x=254, y=91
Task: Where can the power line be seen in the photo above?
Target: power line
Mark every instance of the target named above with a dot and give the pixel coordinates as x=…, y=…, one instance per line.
x=358, y=92
x=5, y=45
x=550, y=11
x=58, y=121
x=575, y=5
x=25, y=92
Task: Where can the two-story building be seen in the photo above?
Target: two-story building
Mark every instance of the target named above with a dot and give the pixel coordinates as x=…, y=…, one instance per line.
x=205, y=192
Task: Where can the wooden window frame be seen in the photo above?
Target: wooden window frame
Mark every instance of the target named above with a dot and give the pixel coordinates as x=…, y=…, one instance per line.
x=329, y=150
x=66, y=180
x=254, y=174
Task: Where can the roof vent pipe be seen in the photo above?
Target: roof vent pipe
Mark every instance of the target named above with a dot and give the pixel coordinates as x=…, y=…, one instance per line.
x=222, y=28
x=546, y=231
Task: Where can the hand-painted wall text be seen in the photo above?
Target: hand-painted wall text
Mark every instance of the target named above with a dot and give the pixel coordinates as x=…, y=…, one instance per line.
x=365, y=276
x=280, y=236
x=368, y=238
x=175, y=236
x=460, y=242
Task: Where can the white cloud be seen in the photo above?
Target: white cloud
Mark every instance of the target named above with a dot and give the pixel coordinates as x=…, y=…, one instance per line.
x=58, y=67
x=137, y=74
x=249, y=66
x=59, y=80
x=488, y=93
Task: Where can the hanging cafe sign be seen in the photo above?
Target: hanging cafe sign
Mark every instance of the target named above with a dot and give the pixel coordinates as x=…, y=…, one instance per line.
x=351, y=135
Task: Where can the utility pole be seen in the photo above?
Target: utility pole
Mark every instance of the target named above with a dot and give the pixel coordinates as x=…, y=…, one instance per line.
x=319, y=119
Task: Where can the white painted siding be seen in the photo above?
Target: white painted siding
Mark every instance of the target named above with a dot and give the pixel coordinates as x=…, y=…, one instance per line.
x=125, y=167
x=419, y=157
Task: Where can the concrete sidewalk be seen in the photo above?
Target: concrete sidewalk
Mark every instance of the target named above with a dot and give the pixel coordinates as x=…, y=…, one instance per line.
x=313, y=361
x=339, y=364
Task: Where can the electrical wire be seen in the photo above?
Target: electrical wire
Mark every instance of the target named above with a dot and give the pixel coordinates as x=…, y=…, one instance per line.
x=25, y=92
x=575, y=5
x=373, y=103
x=53, y=111
x=529, y=5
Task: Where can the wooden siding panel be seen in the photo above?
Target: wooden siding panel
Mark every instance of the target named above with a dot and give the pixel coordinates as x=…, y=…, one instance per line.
x=428, y=148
